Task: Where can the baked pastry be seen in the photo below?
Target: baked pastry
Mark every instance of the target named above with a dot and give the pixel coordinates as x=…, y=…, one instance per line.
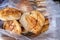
x=10, y=14
x=46, y=26
x=13, y=26
x=24, y=5
x=32, y=22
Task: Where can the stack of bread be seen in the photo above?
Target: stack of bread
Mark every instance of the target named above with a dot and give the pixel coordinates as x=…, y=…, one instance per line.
x=9, y=16
x=24, y=23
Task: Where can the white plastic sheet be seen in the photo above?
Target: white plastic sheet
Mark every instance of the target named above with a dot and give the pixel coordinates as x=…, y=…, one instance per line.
x=51, y=34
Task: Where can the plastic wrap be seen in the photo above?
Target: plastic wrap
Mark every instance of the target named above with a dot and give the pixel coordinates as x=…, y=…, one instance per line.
x=50, y=34
x=4, y=3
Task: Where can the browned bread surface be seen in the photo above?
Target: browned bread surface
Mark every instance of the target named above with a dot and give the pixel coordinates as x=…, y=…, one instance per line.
x=13, y=26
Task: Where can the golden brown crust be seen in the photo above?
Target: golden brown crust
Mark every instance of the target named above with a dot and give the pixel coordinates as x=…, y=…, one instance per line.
x=10, y=14
x=38, y=17
x=35, y=29
x=46, y=26
x=13, y=26
x=33, y=25
x=33, y=21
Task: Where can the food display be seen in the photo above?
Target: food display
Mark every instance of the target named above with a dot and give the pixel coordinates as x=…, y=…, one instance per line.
x=25, y=20
x=33, y=22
